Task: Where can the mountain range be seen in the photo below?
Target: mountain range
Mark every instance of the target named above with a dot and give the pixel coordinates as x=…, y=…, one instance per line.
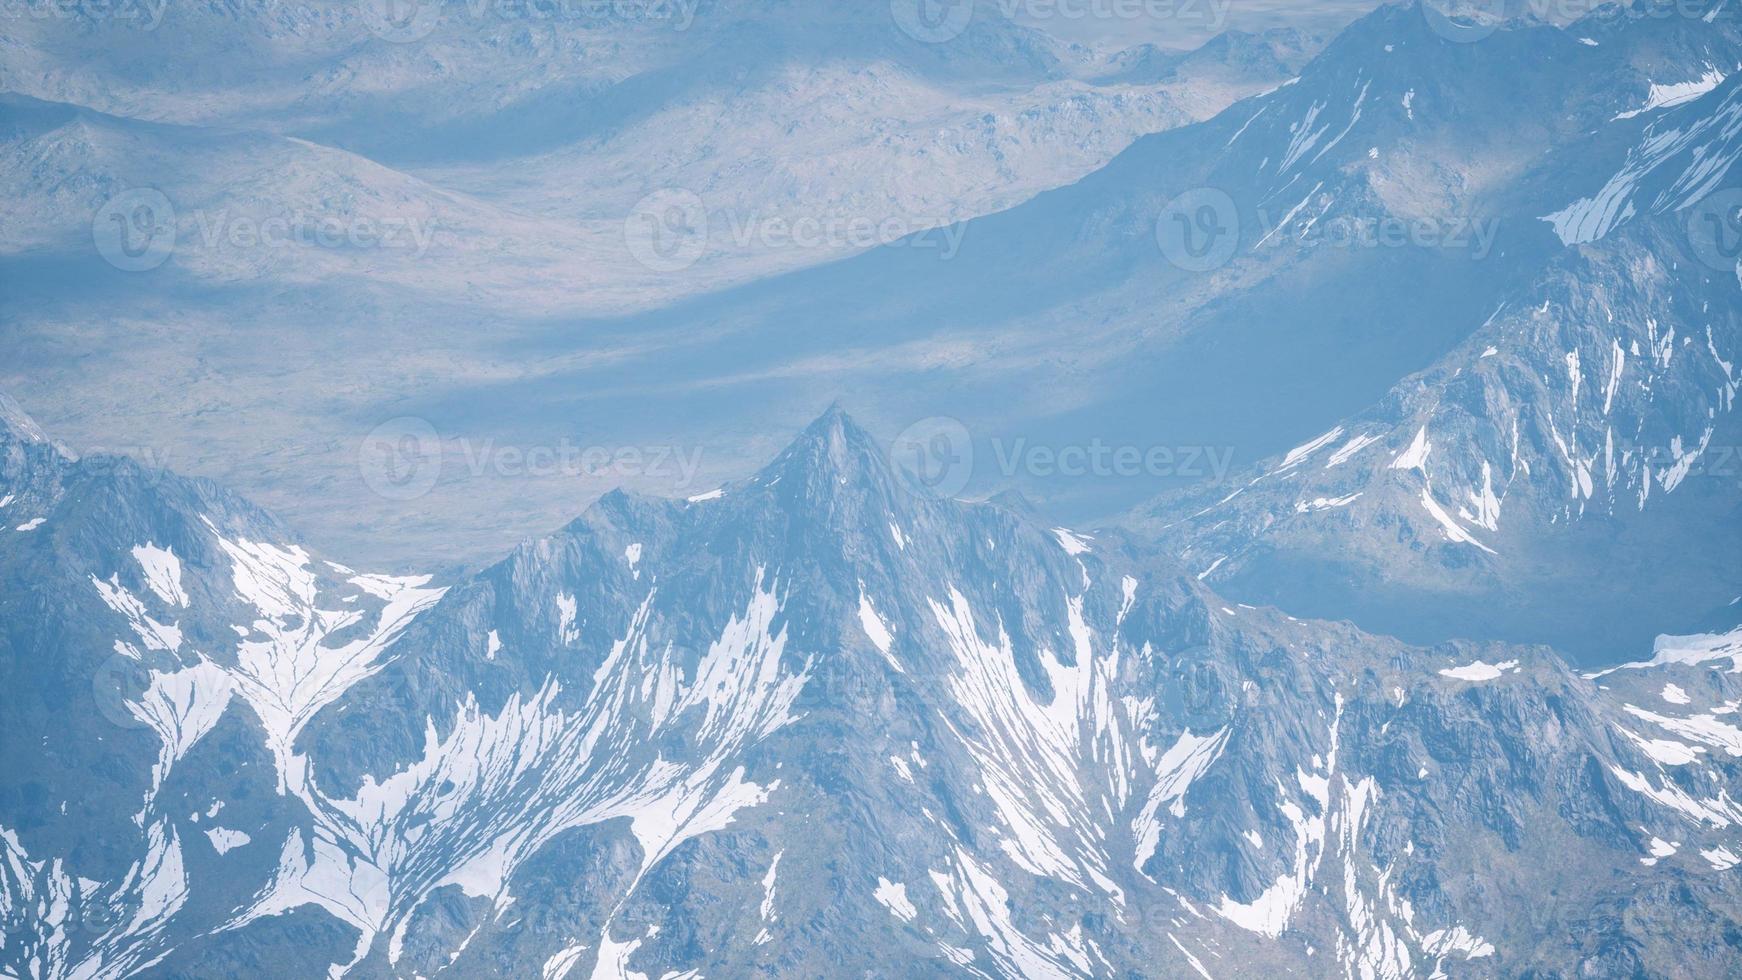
x=476, y=190
x=1434, y=673
x=812, y=721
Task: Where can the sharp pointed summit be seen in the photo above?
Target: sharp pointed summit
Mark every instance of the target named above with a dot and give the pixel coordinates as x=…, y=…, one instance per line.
x=831, y=453
x=887, y=734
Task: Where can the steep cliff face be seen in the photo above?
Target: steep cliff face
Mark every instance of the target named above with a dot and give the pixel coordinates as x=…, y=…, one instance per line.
x=811, y=721
x=165, y=643
x=1586, y=427
x=819, y=721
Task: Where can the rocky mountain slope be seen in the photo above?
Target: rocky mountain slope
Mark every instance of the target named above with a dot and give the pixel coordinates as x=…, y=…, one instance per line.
x=1587, y=425
x=810, y=722
x=539, y=132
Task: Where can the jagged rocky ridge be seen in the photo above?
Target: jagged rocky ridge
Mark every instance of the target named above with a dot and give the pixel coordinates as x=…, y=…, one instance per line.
x=1589, y=420
x=810, y=723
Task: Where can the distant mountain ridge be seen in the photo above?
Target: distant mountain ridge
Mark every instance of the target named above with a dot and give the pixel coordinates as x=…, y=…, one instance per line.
x=497, y=170
x=542, y=130
x=1489, y=487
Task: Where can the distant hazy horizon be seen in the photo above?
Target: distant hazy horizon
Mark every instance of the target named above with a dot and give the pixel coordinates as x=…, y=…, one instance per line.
x=1183, y=24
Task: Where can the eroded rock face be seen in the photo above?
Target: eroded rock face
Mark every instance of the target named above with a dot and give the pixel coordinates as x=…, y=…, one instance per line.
x=818, y=722
x=811, y=722
x=1585, y=425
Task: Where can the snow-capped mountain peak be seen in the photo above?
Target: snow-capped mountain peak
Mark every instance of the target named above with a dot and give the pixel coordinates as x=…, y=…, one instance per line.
x=852, y=721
